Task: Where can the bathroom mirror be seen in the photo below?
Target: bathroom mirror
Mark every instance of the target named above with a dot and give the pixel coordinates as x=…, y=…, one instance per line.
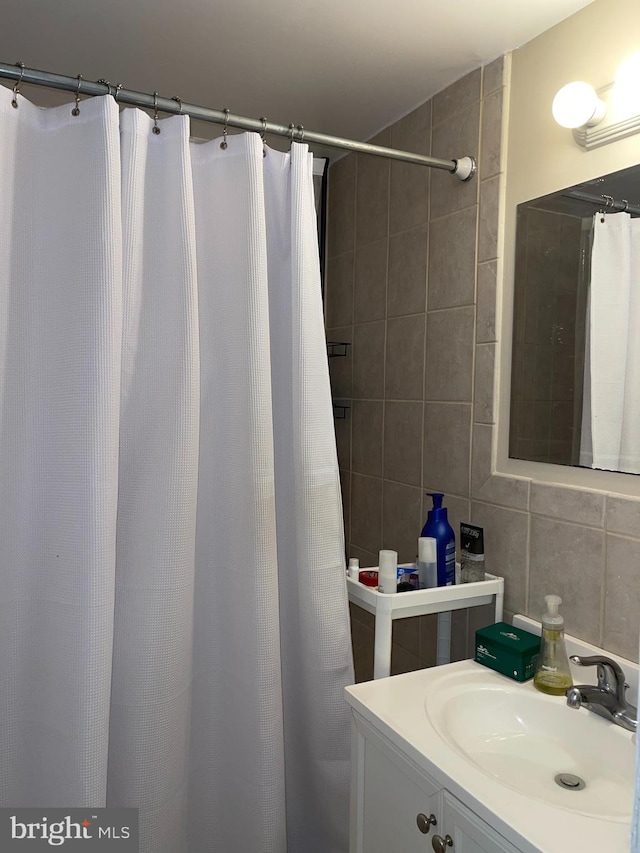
x=574, y=381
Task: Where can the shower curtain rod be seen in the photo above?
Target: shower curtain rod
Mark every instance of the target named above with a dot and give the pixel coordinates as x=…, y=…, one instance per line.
x=606, y=202
x=464, y=168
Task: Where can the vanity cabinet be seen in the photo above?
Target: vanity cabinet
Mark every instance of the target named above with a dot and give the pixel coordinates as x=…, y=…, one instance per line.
x=468, y=832
x=481, y=752
x=397, y=808
x=393, y=797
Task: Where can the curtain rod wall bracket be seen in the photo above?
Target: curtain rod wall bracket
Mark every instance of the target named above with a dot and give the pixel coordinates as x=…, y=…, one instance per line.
x=464, y=168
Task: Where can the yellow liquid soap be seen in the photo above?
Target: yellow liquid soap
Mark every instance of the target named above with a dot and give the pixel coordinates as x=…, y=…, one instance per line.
x=553, y=675
x=553, y=683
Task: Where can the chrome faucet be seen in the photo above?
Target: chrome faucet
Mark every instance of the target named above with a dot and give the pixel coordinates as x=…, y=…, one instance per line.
x=608, y=698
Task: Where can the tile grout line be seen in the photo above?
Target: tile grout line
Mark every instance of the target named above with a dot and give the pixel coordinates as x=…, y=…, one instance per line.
x=475, y=297
x=603, y=590
x=381, y=542
x=353, y=299
x=426, y=327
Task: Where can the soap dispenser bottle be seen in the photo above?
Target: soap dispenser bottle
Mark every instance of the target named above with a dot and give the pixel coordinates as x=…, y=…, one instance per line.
x=437, y=527
x=552, y=671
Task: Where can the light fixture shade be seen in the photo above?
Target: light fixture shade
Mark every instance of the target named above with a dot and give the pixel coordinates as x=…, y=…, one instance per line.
x=577, y=105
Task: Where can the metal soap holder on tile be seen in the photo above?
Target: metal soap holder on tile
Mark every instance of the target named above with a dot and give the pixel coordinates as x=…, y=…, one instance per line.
x=337, y=349
x=340, y=411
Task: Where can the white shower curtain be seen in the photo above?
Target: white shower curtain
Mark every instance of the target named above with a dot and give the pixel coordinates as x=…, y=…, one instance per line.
x=610, y=436
x=173, y=614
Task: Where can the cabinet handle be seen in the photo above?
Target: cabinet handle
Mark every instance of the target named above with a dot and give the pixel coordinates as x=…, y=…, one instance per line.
x=439, y=843
x=425, y=823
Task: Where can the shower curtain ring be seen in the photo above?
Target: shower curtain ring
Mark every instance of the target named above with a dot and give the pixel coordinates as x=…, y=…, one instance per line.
x=117, y=91
x=626, y=204
x=105, y=83
x=178, y=101
x=16, y=88
x=156, y=129
x=300, y=130
x=263, y=134
x=292, y=130
x=76, y=110
x=223, y=144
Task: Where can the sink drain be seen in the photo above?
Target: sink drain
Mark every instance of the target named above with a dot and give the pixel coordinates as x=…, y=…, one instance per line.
x=569, y=782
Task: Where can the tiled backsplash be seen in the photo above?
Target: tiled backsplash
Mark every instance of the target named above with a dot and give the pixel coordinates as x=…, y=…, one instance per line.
x=412, y=284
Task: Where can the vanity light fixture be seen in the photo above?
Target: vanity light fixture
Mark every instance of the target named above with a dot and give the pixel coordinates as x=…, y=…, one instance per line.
x=578, y=105
x=598, y=117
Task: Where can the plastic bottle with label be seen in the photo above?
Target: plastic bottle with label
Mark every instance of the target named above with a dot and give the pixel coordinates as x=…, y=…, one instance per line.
x=427, y=562
x=437, y=527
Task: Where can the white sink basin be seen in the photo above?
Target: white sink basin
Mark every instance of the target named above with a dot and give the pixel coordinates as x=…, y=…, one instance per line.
x=524, y=739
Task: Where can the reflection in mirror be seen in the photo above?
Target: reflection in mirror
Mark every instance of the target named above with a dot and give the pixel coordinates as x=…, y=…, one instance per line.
x=575, y=381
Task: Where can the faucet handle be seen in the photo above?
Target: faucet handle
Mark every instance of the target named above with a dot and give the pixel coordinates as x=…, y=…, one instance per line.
x=574, y=697
x=610, y=674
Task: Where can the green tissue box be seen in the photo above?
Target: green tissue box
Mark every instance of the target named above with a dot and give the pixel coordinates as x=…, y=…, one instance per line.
x=510, y=651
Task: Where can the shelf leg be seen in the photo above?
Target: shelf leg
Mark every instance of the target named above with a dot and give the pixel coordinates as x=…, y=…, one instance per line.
x=499, y=605
x=443, y=644
x=382, y=646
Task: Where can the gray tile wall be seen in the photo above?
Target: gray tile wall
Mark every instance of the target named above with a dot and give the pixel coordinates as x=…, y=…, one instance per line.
x=412, y=284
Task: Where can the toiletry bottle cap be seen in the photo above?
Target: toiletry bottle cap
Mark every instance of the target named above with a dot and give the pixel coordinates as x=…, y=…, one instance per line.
x=552, y=618
x=439, y=512
x=354, y=563
x=388, y=571
x=387, y=560
x=427, y=552
x=437, y=498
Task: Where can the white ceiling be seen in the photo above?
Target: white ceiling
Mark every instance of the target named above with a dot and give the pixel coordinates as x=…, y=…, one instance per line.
x=344, y=67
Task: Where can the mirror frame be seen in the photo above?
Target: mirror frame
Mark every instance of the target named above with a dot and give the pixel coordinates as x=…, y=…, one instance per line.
x=528, y=130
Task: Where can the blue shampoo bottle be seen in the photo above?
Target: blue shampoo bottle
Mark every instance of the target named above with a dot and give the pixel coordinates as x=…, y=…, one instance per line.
x=438, y=527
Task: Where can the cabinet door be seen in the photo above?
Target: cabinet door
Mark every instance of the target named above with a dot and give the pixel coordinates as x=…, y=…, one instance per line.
x=393, y=799
x=469, y=833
